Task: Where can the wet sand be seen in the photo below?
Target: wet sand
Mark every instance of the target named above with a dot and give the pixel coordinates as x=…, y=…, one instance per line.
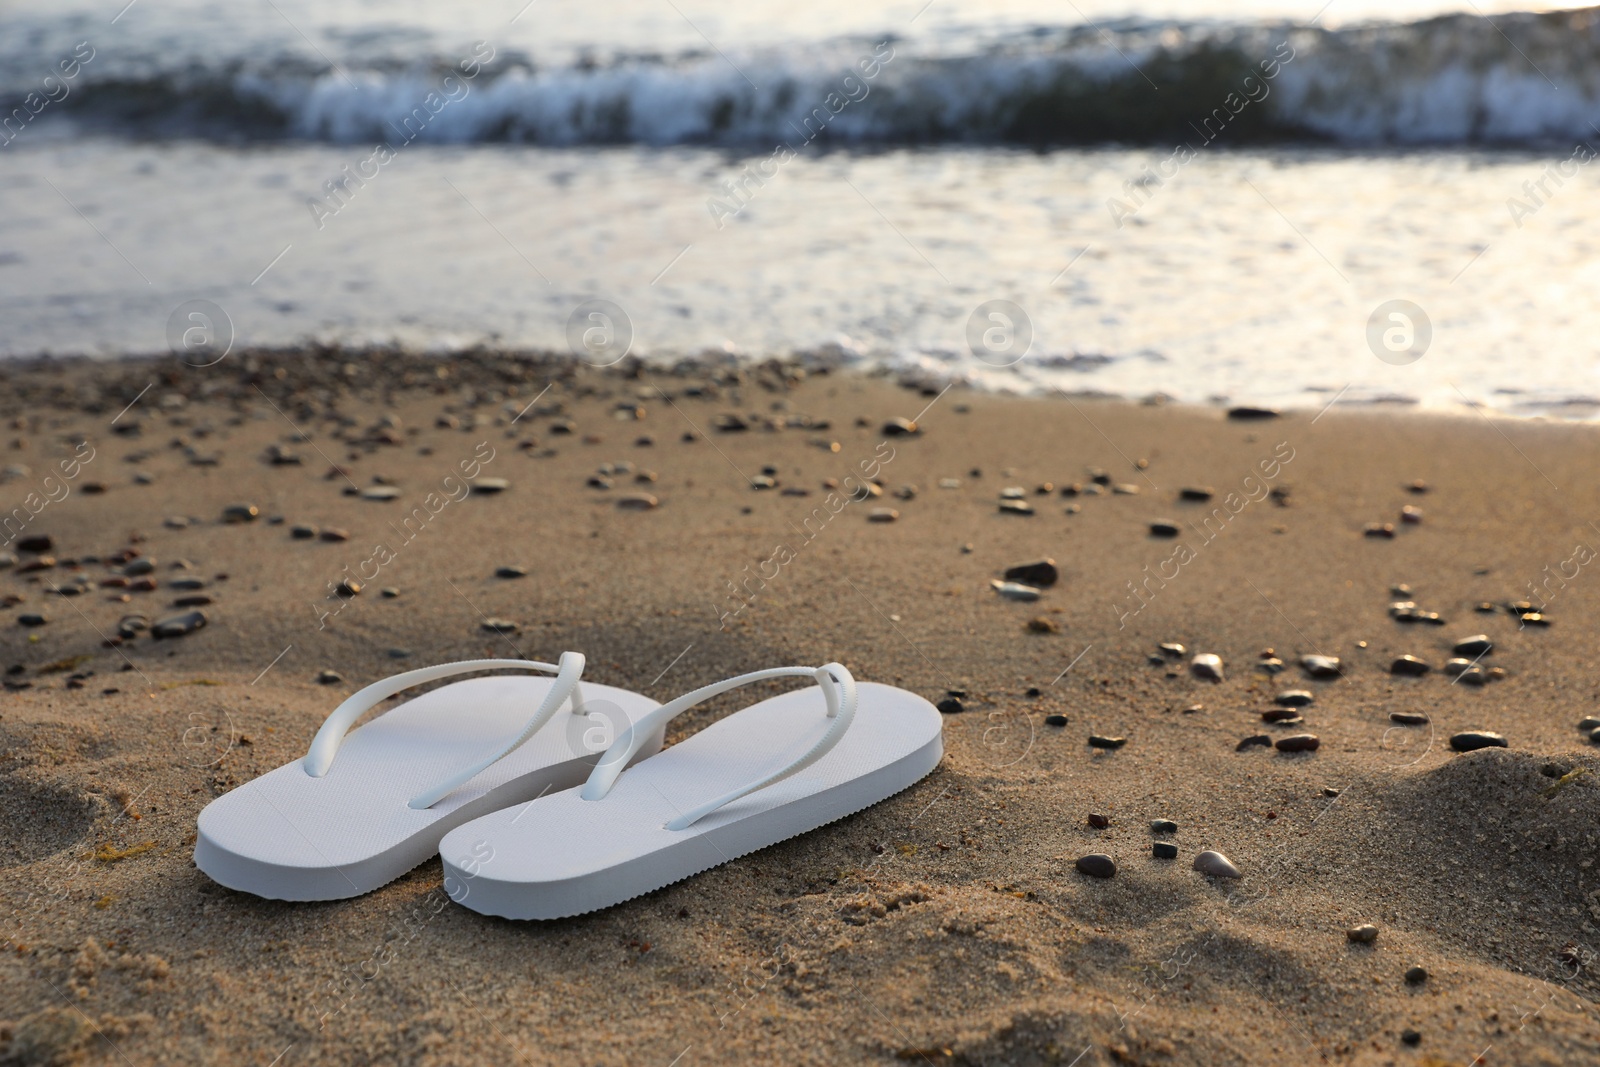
x=946, y=925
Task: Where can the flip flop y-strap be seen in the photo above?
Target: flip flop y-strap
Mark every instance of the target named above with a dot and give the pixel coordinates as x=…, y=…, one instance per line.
x=838, y=690
x=331, y=735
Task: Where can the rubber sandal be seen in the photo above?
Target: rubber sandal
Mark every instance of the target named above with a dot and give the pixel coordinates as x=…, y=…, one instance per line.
x=327, y=828
x=700, y=803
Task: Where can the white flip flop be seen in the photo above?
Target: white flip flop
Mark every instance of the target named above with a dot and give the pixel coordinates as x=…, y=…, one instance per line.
x=322, y=828
x=702, y=802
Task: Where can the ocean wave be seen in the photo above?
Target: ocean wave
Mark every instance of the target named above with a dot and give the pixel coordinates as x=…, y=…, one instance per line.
x=1453, y=80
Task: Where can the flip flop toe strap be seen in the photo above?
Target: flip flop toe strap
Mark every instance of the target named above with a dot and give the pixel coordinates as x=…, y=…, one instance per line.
x=838, y=691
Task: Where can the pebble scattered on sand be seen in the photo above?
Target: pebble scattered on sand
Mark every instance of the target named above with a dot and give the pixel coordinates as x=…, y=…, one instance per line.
x=31, y=619
x=1295, y=698
x=1251, y=414
x=1281, y=716
x=1207, y=665
x=380, y=493
x=1164, y=850
x=1416, y=975
x=389, y=592
x=235, y=513
x=883, y=515
x=490, y=486
x=35, y=543
x=501, y=626
x=1472, y=740
x=511, y=571
x=637, y=502
x=1472, y=676
x=179, y=625
x=1196, y=493
x=1098, y=821
x=950, y=706
x=1163, y=826
x=1043, y=624
x=1055, y=720
x=1164, y=528
x=1102, y=741
x=900, y=427
x=1097, y=865
x=1379, y=529
x=1215, y=864
x=329, y=677
x=1254, y=741
x=1365, y=934
x=1015, y=507
x=1318, y=666
x=1477, y=645
x=1041, y=573
x=1408, y=718
x=1298, y=743
x=1409, y=666
x=1014, y=590
x=1172, y=650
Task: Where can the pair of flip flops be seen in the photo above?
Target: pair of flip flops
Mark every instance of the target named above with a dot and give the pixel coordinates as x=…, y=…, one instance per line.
x=551, y=797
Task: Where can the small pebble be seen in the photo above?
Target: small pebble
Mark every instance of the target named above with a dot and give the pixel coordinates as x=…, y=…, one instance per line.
x=380, y=493
x=179, y=625
x=1411, y=1037
x=1295, y=698
x=1281, y=716
x=1365, y=934
x=1101, y=741
x=1043, y=625
x=36, y=543
x=490, y=486
x=1472, y=676
x=1409, y=666
x=1041, y=574
x=1015, y=507
x=1408, y=718
x=1456, y=666
x=1472, y=740
x=1098, y=821
x=347, y=588
x=329, y=678
x=1215, y=864
x=1172, y=650
x=389, y=592
x=1014, y=590
x=1055, y=720
x=882, y=515
x=1164, y=528
x=1410, y=514
x=1321, y=666
x=1258, y=740
x=1164, y=850
x=1416, y=975
x=238, y=513
x=1298, y=743
x=511, y=572
x=637, y=502
x=1207, y=665
x=900, y=427
x=1271, y=664
x=1478, y=645
x=1163, y=826
x=501, y=626
x=31, y=619
x=1196, y=492
x=1588, y=724
x=1379, y=529
x=1097, y=865
x=950, y=706
x=303, y=533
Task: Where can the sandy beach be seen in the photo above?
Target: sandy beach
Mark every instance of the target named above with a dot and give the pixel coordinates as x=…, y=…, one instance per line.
x=947, y=925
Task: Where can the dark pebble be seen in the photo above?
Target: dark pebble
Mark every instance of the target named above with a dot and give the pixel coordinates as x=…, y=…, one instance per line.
x=329, y=678
x=1472, y=740
x=1281, y=716
x=1251, y=414
x=36, y=544
x=1408, y=718
x=186, y=585
x=1192, y=492
x=1261, y=740
x=1321, y=666
x=194, y=600
x=1379, y=529
x=511, y=572
x=1097, y=865
x=179, y=625
x=501, y=626
x=1098, y=821
x=1015, y=507
x=241, y=513
x=490, y=486
x=1416, y=975
x=1163, y=826
x=333, y=535
x=303, y=533
x=1164, y=528
x=347, y=588
x=1097, y=741
x=1588, y=724
x=1164, y=850
x=1365, y=934
x=1295, y=698
x=135, y=568
x=1055, y=720
x=1298, y=743
x=1411, y=1037
x=950, y=706
x=1041, y=574
x=900, y=427
x=1410, y=666
x=1478, y=645
x=31, y=619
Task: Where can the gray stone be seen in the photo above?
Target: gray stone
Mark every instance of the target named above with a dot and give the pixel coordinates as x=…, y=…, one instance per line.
x=1097, y=865
x=179, y=625
x=1207, y=665
x=1365, y=934
x=1215, y=864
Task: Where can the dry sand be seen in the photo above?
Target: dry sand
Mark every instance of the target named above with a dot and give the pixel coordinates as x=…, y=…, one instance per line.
x=946, y=925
